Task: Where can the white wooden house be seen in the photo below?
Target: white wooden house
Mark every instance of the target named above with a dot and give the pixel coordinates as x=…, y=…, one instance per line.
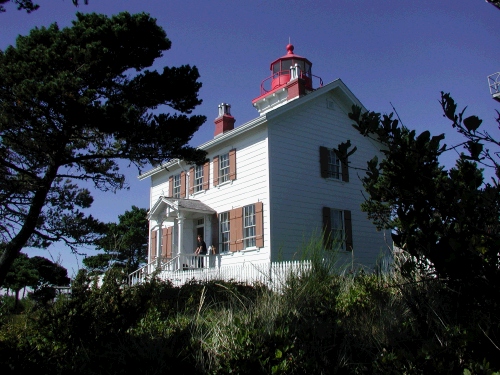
x=268, y=185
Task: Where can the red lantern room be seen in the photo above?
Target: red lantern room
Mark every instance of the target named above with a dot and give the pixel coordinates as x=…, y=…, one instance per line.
x=290, y=79
x=282, y=67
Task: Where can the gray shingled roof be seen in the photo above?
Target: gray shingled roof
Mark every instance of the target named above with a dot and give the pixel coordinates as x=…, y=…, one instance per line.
x=190, y=204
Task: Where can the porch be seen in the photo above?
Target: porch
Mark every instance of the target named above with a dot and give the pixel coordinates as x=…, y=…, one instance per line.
x=175, y=223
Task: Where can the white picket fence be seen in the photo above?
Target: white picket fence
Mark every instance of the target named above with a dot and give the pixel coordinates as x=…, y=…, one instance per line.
x=272, y=274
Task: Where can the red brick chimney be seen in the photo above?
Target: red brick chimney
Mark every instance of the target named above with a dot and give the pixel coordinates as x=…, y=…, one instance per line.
x=225, y=121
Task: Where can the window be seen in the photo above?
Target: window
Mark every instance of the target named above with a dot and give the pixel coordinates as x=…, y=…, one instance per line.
x=337, y=232
x=223, y=168
x=241, y=228
x=224, y=229
x=334, y=170
x=249, y=226
x=337, y=227
x=177, y=186
x=332, y=166
x=198, y=178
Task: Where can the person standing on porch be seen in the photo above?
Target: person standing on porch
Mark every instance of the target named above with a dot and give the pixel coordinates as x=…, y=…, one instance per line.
x=201, y=250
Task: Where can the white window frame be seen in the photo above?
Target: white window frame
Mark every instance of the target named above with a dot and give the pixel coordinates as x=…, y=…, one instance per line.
x=224, y=168
x=176, y=190
x=249, y=226
x=334, y=166
x=198, y=178
x=224, y=232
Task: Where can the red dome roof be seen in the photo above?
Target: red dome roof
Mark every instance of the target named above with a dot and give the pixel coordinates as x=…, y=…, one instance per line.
x=290, y=55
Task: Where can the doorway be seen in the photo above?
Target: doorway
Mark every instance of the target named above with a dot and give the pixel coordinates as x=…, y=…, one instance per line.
x=200, y=229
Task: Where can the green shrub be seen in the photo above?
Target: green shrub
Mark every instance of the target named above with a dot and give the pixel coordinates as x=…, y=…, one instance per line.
x=321, y=322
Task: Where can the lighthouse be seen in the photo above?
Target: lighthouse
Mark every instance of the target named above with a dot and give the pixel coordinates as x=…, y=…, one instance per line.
x=290, y=79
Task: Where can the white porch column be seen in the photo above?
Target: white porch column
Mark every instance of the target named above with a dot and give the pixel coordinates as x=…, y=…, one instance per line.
x=158, y=242
x=180, y=224
x=150, y=267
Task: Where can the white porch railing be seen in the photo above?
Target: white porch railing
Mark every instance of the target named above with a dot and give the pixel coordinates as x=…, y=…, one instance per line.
x=163, y=265
x=271, y=274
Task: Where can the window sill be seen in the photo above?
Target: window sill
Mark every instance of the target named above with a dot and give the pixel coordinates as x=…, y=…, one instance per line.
x=334, y=179
x=224, y=183
x=198, y=193
x=247, y=250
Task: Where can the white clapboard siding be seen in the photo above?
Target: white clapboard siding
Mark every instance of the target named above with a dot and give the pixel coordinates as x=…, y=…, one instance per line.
x=298, y=192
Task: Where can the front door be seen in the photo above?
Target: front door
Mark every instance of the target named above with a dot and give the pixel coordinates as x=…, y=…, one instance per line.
x=200, y=230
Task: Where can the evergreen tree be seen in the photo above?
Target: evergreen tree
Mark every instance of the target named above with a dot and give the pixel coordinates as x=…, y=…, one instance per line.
x=74, y=101
x=38, y=273
x=447, y=220
x=50, y=275
x=125, y=243
x=21, y=275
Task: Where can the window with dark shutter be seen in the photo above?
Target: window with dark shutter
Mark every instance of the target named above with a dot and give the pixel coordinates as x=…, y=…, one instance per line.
x=176, y=191
x=345, y=167
x=249, y=226
x=241, y=228
x=224, y=168
x=332, y=165
x=337, y=229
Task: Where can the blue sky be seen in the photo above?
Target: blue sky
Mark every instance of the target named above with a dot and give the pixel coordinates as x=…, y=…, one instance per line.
x=386, y=51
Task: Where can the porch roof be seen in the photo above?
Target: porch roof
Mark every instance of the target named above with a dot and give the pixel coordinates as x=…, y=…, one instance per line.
x=169, y=208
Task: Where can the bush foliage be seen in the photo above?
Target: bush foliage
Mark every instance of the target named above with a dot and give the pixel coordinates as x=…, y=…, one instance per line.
x=320, y=323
